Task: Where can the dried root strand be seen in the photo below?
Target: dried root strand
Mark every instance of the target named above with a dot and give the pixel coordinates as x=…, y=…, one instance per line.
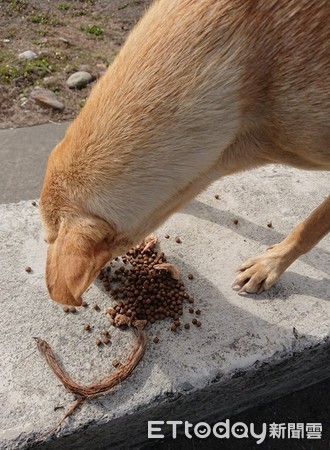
x=110, y=381
x=175, y=274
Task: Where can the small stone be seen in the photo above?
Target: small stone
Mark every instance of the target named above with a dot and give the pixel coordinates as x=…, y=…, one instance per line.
x=79, y=80
x=64, y=40
x=27, y=56
x=46, y=99
x=28, y=269
x=156, y=339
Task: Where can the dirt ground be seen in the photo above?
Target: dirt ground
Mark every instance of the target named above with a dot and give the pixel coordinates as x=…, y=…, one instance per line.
x=67, y=36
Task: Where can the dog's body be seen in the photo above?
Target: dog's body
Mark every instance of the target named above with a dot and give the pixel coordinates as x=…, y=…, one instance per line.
x=201, y=89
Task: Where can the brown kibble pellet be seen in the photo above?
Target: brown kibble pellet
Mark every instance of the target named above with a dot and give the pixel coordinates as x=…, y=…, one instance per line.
x=236, y=221
x=191, y=310
x=34, y=203
x=98, y=342
x=106, y=333
x=173, y=328
x=28, y=269
x=198, y=323
x=187, y=326
x=84, y=304
x=96, y=307
x=106, y=340
x=73, y=309
x=115, y=363
x=190, y=276
x=167, y=236
x=270, y=224
x=178, y=240
x=66, y=309
x=156, y=339
x=217, y=196
x=87, y=327
x=194, y=320
x=198, y=312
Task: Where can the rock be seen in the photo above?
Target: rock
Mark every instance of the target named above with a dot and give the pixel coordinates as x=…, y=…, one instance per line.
x=46, y=99
x=64, y=40
x=27, y=56
x=6, y=41
x=79, y=80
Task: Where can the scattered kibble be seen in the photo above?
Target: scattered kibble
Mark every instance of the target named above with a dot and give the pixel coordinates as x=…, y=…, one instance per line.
x=178, y=240
x=115, y=363
x=66, y=309
x=87, y=327
x=98, y=342
x=156, y=339
x=236, y=221
x=84, y=304
x=106, y=333
x=167, y=236
x=187, y=326
x=96, y=307
x=190, y=276
x=191, y=310
x=198, y=323
x=270, y=224
x=198, y=312
x=217, y=196
x=106, y=340
x=34, y=203
x=72, y=309
x=173, y=327
x=194, y=321
x=28, y=269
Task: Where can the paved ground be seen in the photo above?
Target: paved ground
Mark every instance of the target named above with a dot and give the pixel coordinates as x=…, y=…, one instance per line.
x=300, y=299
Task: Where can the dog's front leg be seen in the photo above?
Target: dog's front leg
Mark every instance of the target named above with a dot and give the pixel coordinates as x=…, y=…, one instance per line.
x=260, y=273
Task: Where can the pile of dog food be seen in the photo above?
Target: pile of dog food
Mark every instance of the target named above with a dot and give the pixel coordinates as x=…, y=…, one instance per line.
x=148, y=288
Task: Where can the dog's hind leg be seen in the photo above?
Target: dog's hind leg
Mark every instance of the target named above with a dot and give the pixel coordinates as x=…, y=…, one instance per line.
x=261, y=272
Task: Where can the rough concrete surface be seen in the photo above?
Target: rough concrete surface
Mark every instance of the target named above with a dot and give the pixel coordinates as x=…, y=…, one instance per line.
x=246, y=350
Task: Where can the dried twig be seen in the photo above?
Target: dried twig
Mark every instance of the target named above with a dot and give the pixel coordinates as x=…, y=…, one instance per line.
x=98, y=388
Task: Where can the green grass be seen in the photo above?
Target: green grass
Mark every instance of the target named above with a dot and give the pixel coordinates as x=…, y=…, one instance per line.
x=30, y=70
x=94, y=30
x=17, y=5
x=63, y=6
x=45, y=20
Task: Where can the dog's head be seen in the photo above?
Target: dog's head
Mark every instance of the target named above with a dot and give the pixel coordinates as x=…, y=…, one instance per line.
x=78, y=249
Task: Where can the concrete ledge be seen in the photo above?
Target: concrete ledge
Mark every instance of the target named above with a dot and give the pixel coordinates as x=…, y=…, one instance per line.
x=245, y=353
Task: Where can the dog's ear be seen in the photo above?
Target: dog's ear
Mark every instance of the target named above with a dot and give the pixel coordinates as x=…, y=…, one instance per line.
x=80, y=251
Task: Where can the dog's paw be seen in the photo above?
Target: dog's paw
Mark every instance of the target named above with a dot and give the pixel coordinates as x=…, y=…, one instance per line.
x=260, y=273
